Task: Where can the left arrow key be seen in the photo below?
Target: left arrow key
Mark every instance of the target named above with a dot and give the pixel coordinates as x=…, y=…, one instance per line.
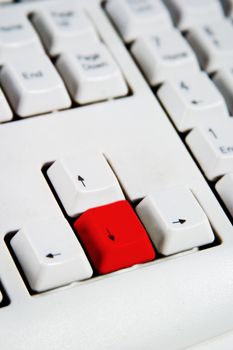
x=50, y=255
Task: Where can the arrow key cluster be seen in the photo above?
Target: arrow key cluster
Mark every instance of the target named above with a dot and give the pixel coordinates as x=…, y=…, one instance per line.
x=106, y=225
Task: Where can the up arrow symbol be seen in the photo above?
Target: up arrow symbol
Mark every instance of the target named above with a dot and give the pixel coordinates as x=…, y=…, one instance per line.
x=81, y=179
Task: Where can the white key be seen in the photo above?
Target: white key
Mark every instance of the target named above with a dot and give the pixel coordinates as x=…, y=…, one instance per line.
x=50, y=254
x=224, y=81
x=63, y=27
x=212, y=146
x=191, y=100
x=213, y=44
x=33, y=85
x=83, y=182
x=224, y=187
x=134, y=18
x=164, y=56
x=91, y=74
x=174, y=220
x=187, y=13
x=17, y=36
x=5, y=111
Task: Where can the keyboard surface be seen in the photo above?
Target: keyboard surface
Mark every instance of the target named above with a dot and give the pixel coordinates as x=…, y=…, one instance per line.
x=116, y=175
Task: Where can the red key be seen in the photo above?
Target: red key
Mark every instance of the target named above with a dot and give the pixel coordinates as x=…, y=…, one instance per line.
x=113, y=237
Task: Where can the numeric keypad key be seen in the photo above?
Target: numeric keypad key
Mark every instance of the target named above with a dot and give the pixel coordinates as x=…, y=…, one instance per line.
x=187, y=13
x=135, y=18
x=213, y=44
x=212, y=146
x=192, y=100
x=164, y=55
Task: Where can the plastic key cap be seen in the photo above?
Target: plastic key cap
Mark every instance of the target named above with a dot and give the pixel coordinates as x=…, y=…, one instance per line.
x=83, y=182
x=174, y=220
x=91, y=74
x=63, y=26
x=164, y=55
x=17, y=36
x=187, y=13
x=212, y=146
x=192, y=100
x=113, y=237
x=50, y=254
x=213, y=44
x=33, y=85
x=134, y=18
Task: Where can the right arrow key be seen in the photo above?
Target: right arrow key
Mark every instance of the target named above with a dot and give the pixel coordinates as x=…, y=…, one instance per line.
x=174, y=220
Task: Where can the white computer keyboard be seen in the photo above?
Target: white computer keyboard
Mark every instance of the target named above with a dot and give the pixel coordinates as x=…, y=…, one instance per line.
x=116, y=175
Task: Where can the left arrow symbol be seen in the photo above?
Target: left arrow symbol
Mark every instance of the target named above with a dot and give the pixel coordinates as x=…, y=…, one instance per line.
x=51, y=256
x=196, y=102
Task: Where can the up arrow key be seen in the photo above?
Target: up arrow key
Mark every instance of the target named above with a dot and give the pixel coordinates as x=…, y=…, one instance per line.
x=84, y=181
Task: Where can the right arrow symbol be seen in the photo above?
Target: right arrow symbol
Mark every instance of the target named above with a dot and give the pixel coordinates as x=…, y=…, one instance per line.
x=179, y=221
